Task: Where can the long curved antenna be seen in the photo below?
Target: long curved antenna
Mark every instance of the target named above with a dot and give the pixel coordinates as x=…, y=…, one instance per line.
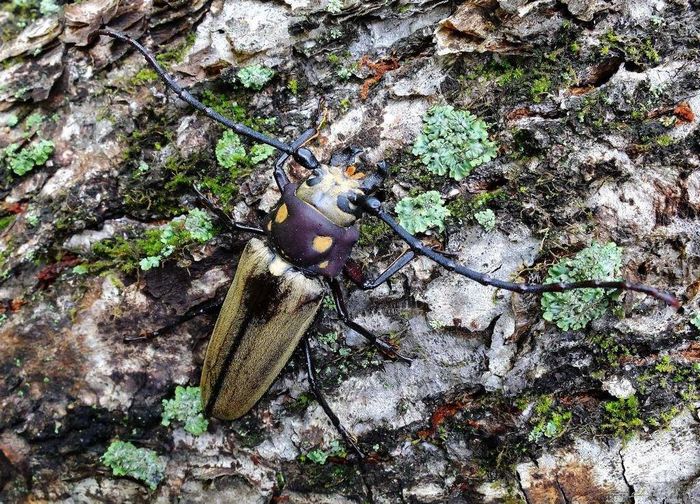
x=186, y=96
x=373, y=206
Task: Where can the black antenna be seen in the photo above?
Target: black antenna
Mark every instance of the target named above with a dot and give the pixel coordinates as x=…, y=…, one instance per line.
x=186, y=96
x=374, y=207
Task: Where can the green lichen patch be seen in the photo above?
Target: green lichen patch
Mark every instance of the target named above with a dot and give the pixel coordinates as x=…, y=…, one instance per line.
x=486, y=219
x=140, y=463
x=255, y=77
x=22, y=161
x=695, y=320
x=573, y=310
x=423, y=212
x=186, y=408
x=453, y=142
x=320, y=456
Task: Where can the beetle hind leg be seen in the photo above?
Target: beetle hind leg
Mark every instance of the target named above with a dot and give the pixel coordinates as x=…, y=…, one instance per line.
x=386, y=348
x=348, y=438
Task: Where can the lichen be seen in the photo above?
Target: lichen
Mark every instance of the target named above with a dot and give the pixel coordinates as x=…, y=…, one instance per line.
x=125, y=459
x=574, y=309
x=453, y=142
x=423, y=212
x=185, y=408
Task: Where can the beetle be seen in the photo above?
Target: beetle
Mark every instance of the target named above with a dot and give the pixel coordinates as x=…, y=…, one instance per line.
x=279, y=283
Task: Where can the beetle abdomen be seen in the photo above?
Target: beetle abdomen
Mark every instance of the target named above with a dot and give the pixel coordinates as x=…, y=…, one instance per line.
x=267, y=310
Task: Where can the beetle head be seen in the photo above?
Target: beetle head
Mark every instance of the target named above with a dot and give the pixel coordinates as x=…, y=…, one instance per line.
x=336, y=189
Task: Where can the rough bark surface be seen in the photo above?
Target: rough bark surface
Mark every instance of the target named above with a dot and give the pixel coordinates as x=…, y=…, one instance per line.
x=594, y=105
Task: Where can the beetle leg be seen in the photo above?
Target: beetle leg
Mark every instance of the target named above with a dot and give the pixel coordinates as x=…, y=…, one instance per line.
x=393, y=268
x=313, y=385
x=342, y=310
x=224, y=217
x=280, y=175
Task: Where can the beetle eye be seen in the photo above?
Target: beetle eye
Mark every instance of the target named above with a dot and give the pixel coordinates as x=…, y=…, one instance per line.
x=312, y=181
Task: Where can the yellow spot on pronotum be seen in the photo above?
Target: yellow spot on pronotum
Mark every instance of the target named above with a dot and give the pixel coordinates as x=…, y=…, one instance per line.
x=323, y=265
x=322, y=243
x=269, y=226
x=281, y=214
x=350, y=170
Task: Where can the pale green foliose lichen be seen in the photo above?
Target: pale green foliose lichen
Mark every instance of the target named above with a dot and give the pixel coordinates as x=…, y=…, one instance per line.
x=453, y=142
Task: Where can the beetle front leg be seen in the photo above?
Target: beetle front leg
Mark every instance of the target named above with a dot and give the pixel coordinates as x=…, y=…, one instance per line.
x=313, y=385
x=281, y=177
x=384, y=347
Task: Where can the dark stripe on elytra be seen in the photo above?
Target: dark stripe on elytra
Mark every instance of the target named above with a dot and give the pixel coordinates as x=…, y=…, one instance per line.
x=259, y=290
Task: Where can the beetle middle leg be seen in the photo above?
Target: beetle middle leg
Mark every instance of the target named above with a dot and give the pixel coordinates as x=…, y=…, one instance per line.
x=358, y=279
x=313, y=385
x=384, y=347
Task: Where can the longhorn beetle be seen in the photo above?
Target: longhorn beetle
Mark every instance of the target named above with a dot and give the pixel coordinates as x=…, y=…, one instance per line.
x=279, y=284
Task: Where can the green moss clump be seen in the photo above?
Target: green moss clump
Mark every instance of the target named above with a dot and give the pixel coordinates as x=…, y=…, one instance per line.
x=144, y=76
x=154, y=246
x=548, y=421
x=540, y=87
x=186, y=408
x=143, y=464
x=6, y=221
x=610, y=350
x=622, y=417
x=372, y=232
x=573, y=310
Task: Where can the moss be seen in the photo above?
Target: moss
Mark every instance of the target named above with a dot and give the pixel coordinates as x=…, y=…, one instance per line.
x=608, y=349
x=462, y=208
x=539, y=87
x=6, y=221
x=373, y=232
x=638, y=51
x=177, y=54
x=144, y=76
x=547, y=420
x=664, y=140
x=622, y=417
